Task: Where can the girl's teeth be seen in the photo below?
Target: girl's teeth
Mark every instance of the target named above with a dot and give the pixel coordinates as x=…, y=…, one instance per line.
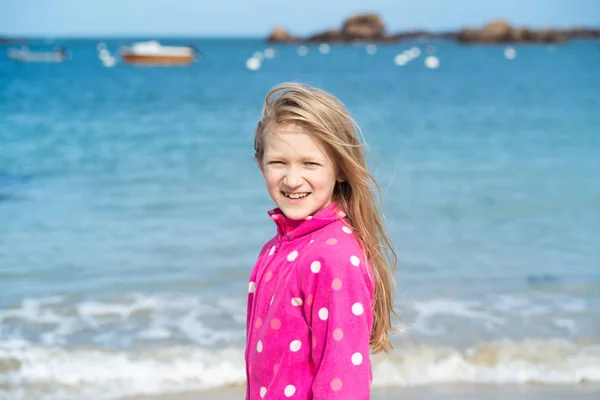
x=296, y=195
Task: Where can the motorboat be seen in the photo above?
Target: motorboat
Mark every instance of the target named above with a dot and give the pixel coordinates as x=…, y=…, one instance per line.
x=153, y=53
x=24, y=54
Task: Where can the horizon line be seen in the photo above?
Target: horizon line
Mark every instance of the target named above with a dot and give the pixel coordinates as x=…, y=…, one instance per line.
x=247, y=35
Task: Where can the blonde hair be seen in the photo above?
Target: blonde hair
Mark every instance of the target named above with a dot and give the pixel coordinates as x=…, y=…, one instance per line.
x=325, y=118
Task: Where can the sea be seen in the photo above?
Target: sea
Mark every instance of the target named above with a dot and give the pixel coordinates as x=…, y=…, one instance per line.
x=132, y=211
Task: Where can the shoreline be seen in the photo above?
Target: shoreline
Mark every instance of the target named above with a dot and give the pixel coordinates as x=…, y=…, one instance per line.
x=448, y=392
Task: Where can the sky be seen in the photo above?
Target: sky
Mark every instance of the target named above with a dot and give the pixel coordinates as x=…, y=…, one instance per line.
x=231, y=18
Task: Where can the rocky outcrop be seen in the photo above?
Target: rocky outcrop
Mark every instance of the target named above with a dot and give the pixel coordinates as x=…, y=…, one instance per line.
x=498, y=32
x=370, y=28
x=581, y=33
x=280, y=35
x=357, y=28
x=363, y=27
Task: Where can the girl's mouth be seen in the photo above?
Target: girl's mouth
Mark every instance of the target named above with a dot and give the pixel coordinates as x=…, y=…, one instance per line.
x=295, y=196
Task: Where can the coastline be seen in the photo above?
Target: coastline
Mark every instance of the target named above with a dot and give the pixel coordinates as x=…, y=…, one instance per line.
x=447, y=392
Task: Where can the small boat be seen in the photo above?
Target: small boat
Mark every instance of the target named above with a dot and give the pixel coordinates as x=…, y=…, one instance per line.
x=153, y=53
x=26, y=55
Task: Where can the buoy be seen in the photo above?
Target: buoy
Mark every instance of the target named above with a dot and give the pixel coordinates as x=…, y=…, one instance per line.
x=510, y=53
x=109, y=61
x=400, y=59
x=371, y=49
x=432, y=62
x=302, y=51
x=324, y=48
x=103, y=54
x=415, y=51
x=269, y=52
x=253, y=63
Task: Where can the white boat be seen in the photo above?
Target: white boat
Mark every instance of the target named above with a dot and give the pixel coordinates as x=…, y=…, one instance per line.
x=26, y=55
x=153, y=53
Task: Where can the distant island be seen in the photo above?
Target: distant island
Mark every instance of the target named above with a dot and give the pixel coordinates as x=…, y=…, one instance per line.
x=7, y=40
x=370, y=28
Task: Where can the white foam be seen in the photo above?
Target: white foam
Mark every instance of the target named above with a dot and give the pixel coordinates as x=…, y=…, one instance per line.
x=121, y=321
x=52, y=373
x=498, y=362
x=465, y=309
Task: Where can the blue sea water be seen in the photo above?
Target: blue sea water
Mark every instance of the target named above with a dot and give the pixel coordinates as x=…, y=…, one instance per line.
x=131, y=213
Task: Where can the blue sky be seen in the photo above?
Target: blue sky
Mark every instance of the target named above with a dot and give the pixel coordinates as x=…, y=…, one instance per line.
x=258, y=17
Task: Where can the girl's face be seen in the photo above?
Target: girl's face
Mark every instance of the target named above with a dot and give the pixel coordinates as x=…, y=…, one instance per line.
x=299, y=175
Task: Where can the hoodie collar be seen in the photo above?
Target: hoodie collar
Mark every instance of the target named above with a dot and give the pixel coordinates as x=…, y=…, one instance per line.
x=293, y=229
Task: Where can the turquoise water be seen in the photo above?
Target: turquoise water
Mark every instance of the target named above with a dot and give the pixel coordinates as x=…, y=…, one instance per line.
x=131, y=213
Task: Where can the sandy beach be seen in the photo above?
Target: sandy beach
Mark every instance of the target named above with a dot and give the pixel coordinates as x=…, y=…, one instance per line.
x=445, y=392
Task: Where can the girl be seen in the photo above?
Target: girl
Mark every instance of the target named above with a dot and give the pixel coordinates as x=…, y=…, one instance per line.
x=320, y=294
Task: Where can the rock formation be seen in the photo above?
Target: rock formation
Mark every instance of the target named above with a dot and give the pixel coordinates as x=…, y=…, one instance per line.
x=498, y=32
x=370, y=28
x=357, y=28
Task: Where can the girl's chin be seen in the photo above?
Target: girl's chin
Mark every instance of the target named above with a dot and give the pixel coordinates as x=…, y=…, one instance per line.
x=295, y=214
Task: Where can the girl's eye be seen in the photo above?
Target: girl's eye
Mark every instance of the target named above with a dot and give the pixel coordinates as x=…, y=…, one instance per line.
x=275, y=162
x=312, y=164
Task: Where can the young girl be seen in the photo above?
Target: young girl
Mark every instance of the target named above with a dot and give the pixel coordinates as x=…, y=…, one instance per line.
x=320, y=294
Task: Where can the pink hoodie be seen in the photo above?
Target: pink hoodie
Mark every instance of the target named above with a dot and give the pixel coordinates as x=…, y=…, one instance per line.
x=310, y=312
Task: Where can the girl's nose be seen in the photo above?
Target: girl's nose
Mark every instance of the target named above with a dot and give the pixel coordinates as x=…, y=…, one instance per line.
x=293, y=178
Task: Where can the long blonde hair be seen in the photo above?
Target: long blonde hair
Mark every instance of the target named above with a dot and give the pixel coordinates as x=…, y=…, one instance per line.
x=325, y=118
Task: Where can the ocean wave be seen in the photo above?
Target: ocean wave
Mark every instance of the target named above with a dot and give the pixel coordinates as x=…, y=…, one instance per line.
x=165, y=319
x=51, y=373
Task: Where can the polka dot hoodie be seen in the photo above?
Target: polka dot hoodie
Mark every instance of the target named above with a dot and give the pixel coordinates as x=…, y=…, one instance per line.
x=310, y=312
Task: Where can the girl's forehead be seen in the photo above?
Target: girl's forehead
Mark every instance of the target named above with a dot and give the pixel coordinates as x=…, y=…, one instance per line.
x=292, y=138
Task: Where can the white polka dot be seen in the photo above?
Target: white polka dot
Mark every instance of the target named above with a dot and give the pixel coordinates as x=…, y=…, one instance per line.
x=259, y=346
x=272, y=251
x=346, y=230
x=263, y=391
x=272, y=297
x=357, y=309
x=357, y=358
x=324, y=313
x=296, y=301
x=355, y=261
x=251, y=287
x=310, y=241
x=295, y=345
x=315, y=267
x=309, y=218
x=289, y=390
x=292, y=256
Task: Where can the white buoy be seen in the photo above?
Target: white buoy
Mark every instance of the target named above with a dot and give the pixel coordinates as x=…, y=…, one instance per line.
x=432, y=62
x=324, y=48
x=101, y=46
x=415, y=52
x=371, y=49
x=103, y=54
x=258, y=54
x=302, y=51
x=408, y=55
x=400, y=59
x=109, y=61
x=269, y=52
x=510, y=53
x=253, y=63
